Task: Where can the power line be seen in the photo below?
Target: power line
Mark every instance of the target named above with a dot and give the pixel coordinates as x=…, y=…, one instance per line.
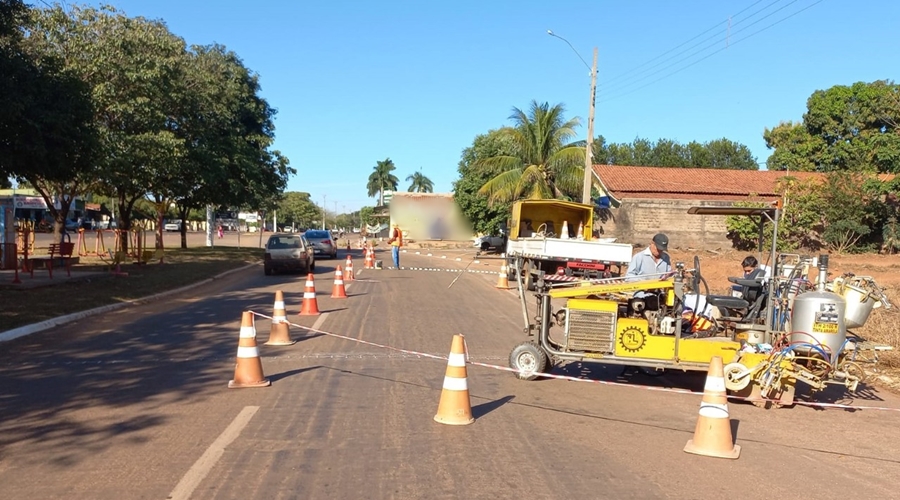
x=632, y=70
x=708, y=46
x=712, y=53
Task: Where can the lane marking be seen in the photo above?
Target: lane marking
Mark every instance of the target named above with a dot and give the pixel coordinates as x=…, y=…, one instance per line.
x=211, y=456
x=319, y=321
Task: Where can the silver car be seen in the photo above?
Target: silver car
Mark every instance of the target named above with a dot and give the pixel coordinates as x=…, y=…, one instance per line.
x=323, y=242
x=289, y=252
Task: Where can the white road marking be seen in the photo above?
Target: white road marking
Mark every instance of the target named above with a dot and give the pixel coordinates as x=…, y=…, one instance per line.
x=207, y=461
x=319, y=321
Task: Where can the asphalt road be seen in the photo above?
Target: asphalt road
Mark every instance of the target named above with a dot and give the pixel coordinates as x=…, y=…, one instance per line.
x=135, y=404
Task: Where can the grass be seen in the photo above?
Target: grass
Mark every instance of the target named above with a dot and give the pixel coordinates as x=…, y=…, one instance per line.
x=23, y=306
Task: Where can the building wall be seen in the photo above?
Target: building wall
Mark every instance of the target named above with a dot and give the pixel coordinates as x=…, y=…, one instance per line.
x=635, y=221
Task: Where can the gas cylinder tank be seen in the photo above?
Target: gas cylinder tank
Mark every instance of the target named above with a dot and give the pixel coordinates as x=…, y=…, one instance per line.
x=818, y=319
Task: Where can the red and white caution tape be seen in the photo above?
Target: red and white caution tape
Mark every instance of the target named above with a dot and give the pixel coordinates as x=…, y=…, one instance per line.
x=575, y=379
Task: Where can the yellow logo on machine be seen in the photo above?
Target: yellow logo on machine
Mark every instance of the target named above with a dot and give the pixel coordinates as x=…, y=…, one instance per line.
x=632, y=339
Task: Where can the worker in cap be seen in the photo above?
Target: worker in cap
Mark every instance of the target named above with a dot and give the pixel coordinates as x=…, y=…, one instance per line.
x=653, y=261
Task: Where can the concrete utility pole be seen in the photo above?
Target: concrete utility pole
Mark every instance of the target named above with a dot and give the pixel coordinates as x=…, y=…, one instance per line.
x=588, y=156
x=324, y=204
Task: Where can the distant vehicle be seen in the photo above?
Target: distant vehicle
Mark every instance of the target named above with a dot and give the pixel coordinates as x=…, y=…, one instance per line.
x=322, y=241
x=173, y=225
x=288, y=252
x=486, y=243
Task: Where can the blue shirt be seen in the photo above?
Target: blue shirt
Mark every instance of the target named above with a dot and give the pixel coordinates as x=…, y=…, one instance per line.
x=643, y=264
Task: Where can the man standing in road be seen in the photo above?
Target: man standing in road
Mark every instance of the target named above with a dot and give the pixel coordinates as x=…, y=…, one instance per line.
x=396, y=241
x=651, y=261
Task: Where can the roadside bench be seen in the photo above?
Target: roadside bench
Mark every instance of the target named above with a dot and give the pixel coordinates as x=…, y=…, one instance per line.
x=61, y=252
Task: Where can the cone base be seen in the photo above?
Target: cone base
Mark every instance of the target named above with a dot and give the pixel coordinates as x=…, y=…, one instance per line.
x=498, y=287
x=304, y=313
x=338, y=296
x=453, y=420
x=281, y=342
x=236, y=385
x=732, y=454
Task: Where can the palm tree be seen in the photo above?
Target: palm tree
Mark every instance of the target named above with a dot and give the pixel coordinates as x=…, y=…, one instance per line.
x=382, y=179
x=546, y=165
x=420, y=183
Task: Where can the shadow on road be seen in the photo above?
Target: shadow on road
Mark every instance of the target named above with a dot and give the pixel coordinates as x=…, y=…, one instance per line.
x=483, y=409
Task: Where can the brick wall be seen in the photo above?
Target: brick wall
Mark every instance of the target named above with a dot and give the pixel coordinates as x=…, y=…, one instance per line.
x=635, y=221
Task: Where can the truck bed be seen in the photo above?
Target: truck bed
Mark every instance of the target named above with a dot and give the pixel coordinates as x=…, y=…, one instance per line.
x=565, y=250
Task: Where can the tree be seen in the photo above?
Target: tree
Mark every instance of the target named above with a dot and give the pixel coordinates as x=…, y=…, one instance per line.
x=485, y=218
x=227, y=129
x=298, y=208
x=419, y=183
x=719, y=153
x=365, y=216
x=46, y=135
x=845, y=128
x=544, y=164
x=382, y=179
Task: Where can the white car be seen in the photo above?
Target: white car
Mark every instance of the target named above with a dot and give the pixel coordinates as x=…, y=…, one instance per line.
x=486, y=242
x=173, y=225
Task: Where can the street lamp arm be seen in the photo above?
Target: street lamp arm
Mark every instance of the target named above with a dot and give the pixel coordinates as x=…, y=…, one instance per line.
x=586, y=65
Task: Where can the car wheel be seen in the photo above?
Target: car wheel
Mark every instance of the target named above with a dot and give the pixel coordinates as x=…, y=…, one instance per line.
x=485, y=246
x=267, y=270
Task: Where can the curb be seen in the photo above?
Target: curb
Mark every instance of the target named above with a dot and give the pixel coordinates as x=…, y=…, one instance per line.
x=50, y=323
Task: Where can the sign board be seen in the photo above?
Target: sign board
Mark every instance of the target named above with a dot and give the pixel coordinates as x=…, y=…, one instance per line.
x=388, y=195
x=33, y=202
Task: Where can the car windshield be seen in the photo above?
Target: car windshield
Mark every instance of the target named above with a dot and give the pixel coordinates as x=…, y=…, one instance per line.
x=317, y=235
x=283, y=242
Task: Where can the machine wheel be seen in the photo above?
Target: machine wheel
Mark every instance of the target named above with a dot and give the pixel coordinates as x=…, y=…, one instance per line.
x=735, y=380
x=529, y=360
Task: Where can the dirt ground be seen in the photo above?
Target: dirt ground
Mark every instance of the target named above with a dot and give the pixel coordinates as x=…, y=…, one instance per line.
x=883, y=325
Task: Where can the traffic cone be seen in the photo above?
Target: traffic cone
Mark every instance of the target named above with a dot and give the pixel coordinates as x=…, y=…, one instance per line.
x=348, y=269
x=338, y=291
x=503, y=281
x=248, y=370
x=580, y=234
x=280, y=333
x=370, y=259
x=310, y=304
x=712, y=436
x=454, y=407
x=564, y=232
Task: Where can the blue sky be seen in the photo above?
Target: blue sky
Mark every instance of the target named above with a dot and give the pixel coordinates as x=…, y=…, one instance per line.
x=358, y=81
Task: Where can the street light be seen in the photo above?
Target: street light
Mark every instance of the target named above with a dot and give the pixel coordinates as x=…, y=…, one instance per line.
x=588, y=163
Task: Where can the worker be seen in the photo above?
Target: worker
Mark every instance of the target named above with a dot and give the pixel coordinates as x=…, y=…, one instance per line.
x=653, y=261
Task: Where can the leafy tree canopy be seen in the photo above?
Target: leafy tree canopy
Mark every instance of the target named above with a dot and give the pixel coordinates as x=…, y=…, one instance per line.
x=419, y=183
x=845, y=128
x=485, y=218
x=720, y=153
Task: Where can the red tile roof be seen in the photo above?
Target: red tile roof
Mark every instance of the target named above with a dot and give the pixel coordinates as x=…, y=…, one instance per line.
x=686, y=183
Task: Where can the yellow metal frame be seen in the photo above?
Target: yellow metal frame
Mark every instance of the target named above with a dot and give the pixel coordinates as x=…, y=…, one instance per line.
x=556, y=211
x=631, y=286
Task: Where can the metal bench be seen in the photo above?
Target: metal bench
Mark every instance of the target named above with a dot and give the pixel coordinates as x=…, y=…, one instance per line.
x=57, y=251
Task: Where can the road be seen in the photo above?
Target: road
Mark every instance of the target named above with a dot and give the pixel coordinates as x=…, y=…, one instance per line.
x=135, y=404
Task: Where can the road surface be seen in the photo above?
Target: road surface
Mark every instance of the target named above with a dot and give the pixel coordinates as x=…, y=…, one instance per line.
x=135, y=404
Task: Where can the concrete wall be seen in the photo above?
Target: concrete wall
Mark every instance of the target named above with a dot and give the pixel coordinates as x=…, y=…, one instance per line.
x=635, y=221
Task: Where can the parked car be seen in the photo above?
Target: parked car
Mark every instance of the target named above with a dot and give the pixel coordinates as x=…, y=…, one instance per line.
x=173, y=225
x=288, y=252
x=322, y=241
x=486, y=242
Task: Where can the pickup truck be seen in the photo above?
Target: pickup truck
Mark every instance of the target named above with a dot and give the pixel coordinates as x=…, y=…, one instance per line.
x=556, y=237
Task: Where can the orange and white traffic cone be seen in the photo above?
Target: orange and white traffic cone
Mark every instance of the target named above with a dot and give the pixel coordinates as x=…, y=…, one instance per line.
x=280, y=333
x=564, y=232
x=348, y=269
x=455, y=407
x=248, y=370
x=370, y=258
x=310, y=304
x=580, y=234
x=338, y=291
x=503, y=280
x=712, y=436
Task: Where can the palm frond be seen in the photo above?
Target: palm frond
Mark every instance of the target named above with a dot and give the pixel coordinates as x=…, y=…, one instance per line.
x=502, y=188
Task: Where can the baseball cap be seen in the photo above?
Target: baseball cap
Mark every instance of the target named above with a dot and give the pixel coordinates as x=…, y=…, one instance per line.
x=661, y=241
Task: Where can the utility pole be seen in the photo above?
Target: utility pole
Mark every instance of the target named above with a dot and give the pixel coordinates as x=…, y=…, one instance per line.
x=324, y=204
x=588, y=156
x=588, y=160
